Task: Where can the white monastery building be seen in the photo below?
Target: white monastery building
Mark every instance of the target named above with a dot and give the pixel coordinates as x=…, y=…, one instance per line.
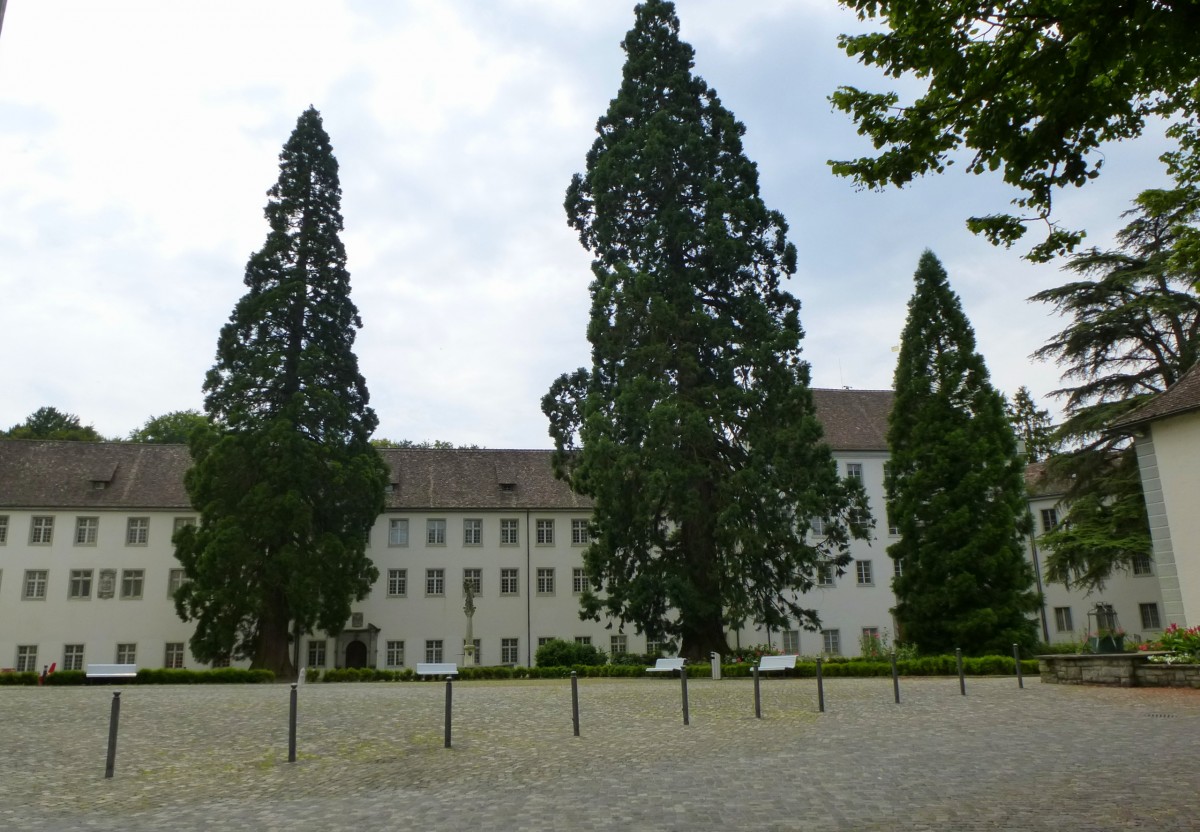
x=87, y=567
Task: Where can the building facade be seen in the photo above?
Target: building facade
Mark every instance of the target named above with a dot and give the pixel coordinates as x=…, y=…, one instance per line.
x=87, y=567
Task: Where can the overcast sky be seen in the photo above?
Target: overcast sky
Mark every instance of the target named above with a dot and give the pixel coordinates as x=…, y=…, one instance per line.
x=138, y=139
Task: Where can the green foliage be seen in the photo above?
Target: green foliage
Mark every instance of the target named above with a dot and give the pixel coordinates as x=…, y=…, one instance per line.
x=12, y=677
x=285, y=479
x=1134, y=330
x=64, y=678
x=1032, y=88
x=213, y=676
x=693, y=431
x=174, y=428
x=559, y=653
x=438, y=444
x=955, y=487
x=1184, y=642
x=51, y=423
x=1032, y=425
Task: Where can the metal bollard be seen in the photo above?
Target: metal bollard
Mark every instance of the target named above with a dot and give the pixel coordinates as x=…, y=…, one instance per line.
x=962, y=680
x=449, y=697
x=895, y=679
x=292, y=726
x=1017, y=665
x=575, y=701
x=683, y=685
x=114, y=718
x=820, y=689
x=757, y=696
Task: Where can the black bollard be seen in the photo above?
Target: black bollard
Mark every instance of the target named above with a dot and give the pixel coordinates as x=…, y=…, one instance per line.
x=757, y=695
x=820, y=689
x=575, y=701
x=683, y=685
x=449, y=695
x=895, y=679
x=962, y=680
x=114, y=718
x=292, y=726
x=1017, y=665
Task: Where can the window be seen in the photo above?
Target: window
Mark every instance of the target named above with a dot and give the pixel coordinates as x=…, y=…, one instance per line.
x=395, y=654
x=137, y=531
x=545, y=580
x=509, y=583
x=545, y=640
x=435, y=532
x=1143, y=565
x=175, y=579
x=474, y=577
x=1062, y=620
x=587, y=640
x=791, y=641
x=182, y=523
x=654, y=647
x=897, y=568
x=397, y=583
x=398, y=532
x=433, y=650
x=509, y=535
x=41, y=531
x=131, y=583
x=81, y=584
x=817, y=524
x=618, y=645
x=1049, y=519
x=316, y=653
x=578, y=580
x=173, y=654
x=865, y=576
x=435, y=581
x=220, y=661
x=508, y=651
x=579, y=533
x=72, y=657
x=27, y=658
x=35, y=584
x=1150, y=619
x=85, y=530
x=545, y=532
x=832, y=642
x=825, y=574
x=3, y=529
x=870, y=634
x=472, y=532
x=854, y=471
x=127, y=653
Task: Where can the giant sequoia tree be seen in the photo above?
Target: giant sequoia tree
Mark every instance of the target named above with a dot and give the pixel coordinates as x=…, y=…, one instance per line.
x=287, y=483
x=693, y=431
x=955, y=487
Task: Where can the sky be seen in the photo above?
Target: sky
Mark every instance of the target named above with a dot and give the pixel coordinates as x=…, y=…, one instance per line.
x=138, y=140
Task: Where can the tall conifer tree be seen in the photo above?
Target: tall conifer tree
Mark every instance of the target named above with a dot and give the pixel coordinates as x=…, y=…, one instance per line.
x=287, y=483
x=955, y=487
x=693, y=431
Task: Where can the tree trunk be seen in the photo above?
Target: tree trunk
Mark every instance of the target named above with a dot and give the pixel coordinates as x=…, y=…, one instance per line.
x=273, y=651
x=701, y=638
x=702, y=627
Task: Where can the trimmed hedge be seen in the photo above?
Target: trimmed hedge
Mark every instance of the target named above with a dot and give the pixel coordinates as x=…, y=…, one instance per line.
x=149, y=676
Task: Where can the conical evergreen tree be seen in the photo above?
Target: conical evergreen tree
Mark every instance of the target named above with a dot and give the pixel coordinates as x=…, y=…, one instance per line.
x=955, y=487
x=693, y=431
x=287, y=483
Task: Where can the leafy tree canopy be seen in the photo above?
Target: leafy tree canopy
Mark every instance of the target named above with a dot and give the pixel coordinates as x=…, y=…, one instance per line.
x=1032, y=88
x=285, y=479
x=51, y=423
x=172, y=428
x=693, y=431
x=955, y=487
x=438, y=444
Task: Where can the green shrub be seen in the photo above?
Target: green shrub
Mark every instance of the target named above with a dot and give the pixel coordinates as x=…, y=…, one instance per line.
x=559, y=653
x=66, y=677
x=12, y=677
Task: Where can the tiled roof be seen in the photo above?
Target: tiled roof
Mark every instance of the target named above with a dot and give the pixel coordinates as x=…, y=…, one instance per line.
x=1181, y=397
x=99, y=475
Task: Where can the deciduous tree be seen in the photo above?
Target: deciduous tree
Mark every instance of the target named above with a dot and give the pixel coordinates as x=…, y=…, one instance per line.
x=286, y=481
x=52, y=423
x=172, y=428
x=693, y=431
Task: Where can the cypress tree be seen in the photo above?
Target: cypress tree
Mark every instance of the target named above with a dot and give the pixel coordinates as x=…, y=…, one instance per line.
x=955, y=487
x=286, y=481
x=693, y=431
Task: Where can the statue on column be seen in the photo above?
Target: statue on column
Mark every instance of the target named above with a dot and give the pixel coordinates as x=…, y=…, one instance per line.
x=469, y=609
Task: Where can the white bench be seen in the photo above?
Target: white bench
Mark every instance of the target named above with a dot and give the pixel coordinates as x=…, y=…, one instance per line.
x=667, y=666
x=112, y=671
x=766, y=664
x=437, y=669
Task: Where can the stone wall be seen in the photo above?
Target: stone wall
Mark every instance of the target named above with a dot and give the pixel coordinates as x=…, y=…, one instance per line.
x=1125, y=670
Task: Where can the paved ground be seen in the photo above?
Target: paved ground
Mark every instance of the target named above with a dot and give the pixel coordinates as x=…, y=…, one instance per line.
x=372, y=757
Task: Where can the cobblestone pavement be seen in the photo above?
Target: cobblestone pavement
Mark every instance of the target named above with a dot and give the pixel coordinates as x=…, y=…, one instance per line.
x=371, y=756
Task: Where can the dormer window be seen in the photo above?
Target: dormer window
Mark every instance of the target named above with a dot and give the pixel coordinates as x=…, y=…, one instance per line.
x=508, y=486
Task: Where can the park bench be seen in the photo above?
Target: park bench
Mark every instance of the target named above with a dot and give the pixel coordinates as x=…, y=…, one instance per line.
x=112, y=671
x=766, y=664
x=667, y=666
x=437, y=669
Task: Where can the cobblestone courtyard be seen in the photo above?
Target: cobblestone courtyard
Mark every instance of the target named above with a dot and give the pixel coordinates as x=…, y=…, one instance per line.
x=372, y=757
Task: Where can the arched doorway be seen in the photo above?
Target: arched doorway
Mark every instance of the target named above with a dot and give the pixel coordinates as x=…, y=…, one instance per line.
x=356, y=654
